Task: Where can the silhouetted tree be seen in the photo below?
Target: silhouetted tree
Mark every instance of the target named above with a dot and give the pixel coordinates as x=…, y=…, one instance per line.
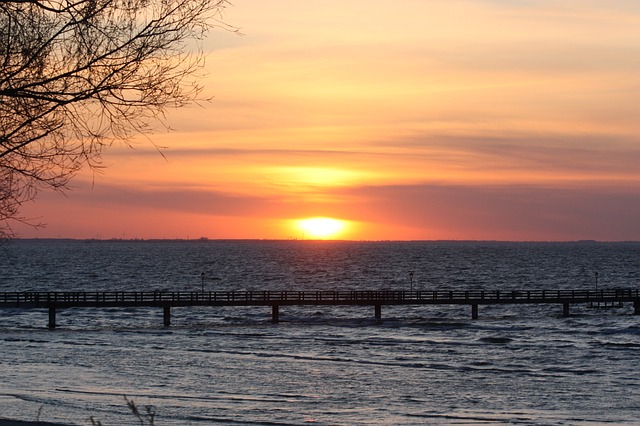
x=77, y=75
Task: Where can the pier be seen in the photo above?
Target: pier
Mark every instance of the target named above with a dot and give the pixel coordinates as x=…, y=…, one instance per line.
x=165, y=300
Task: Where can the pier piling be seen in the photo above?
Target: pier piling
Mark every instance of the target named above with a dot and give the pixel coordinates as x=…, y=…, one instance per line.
x=378, y=311
x=565, y=310
x=275, y=314
x=474, y=311
x=167, y=316
x=52, y=317
x=636, y=307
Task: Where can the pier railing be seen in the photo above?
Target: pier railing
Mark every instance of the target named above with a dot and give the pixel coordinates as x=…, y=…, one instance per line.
x=133, y=298
x=276, y=299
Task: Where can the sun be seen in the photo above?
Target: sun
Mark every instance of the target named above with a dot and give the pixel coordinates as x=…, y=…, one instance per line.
x=321, y=228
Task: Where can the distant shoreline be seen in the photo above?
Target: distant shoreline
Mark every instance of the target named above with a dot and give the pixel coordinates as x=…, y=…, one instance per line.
x=267, y=240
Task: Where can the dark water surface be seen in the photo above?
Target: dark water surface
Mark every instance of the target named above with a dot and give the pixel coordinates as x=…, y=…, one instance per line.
x=321, y=365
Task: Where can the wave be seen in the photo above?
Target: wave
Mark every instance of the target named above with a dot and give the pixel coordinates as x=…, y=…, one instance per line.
x=620, y=345
x=497, y=340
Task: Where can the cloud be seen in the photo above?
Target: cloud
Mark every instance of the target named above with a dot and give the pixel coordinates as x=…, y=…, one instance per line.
x=429, y=119
x=434, y=211
x=515, y=212
x=579, y=156
x=178, y=198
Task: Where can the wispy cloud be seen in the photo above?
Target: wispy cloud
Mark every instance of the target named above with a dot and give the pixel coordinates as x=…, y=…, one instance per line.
x=427, y=119
x=506, y=212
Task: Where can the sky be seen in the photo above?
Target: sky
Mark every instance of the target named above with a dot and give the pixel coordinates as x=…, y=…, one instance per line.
x=407, y=120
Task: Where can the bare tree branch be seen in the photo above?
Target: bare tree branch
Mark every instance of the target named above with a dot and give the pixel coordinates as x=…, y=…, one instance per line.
x=78, y=75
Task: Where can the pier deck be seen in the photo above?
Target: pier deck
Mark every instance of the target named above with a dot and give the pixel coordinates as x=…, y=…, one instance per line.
x=166, y=299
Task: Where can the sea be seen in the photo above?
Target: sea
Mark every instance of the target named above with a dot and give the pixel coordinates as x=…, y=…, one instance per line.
x=320, y=365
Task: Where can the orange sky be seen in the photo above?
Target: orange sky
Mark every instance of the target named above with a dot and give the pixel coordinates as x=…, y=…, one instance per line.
x=417, y=119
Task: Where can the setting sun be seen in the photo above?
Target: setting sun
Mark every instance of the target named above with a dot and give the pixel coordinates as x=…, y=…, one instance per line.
x=360, y=134
x=321, y=227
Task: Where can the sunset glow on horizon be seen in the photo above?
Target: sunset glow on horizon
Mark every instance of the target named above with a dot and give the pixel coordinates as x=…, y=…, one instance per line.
x=415, y=120
x=321, y=228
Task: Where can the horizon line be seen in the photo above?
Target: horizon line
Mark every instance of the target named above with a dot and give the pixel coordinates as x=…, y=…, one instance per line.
x=206, y=239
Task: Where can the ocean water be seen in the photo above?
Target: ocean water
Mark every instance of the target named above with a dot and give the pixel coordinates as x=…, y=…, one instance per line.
x=321, y=365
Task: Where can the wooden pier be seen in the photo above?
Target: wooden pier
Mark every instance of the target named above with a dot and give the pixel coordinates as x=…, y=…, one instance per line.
x=276, y=299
